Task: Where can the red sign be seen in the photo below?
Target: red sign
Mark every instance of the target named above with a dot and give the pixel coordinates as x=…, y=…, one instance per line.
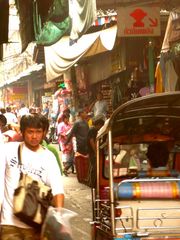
x=138, y=21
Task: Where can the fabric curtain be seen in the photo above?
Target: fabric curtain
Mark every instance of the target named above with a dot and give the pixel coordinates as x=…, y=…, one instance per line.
x=56, y=25
x=83, y=15
x=25, y=10
x=4, y=21
x=172, y=30
x=46, y=21
x=60, y=56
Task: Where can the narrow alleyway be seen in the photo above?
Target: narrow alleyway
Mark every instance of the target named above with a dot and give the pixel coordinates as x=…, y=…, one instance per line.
x=78, y=199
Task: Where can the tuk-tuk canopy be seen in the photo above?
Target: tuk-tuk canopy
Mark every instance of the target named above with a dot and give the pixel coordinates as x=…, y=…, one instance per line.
x=155, y=114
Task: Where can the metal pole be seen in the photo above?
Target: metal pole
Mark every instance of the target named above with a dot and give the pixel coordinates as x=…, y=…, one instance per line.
x=97, y=192
x=111, y=181
x=151, y=64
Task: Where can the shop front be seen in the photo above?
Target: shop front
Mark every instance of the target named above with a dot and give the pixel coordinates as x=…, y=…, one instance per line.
x=75, y=61
x=169, y=61
x=15, y=95
x=142, y=33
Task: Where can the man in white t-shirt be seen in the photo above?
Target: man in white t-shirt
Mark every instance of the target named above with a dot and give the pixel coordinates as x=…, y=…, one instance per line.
x=23, y=110
x=10, y=116
x=100, y=106
x=38, y=162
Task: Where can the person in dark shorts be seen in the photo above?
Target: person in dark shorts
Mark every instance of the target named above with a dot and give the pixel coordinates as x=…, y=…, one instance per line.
x=98, y=122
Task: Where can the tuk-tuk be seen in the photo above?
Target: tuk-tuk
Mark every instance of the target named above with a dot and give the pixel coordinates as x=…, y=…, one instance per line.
x=130, y=200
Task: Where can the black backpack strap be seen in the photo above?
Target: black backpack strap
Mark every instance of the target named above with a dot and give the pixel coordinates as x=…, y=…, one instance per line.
x=19, y=154
x=19, y=158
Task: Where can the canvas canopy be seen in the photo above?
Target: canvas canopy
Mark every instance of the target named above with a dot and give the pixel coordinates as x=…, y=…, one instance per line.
x=61, y=56
x=172, y=33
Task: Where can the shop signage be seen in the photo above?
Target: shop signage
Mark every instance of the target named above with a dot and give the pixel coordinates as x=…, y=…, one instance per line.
x=20, y=90
x=138, y=21
x=19, y=97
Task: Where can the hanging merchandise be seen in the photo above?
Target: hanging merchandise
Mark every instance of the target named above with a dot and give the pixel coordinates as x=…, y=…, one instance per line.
x=64, y=97
x=116, y=94
x=4, y=19
x=68, y=84
x=158, y=87
x=172, y=34
x=169, y=62
x=81, y=79
x=61, y=85
x=169, y=75
x=83, y=15
x=106, y=90
x=57, y=24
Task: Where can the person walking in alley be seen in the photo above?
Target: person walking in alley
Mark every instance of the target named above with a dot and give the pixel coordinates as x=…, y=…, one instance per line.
x=97, y=122
x=80, y=132
x=38, y=162
x=67, y=149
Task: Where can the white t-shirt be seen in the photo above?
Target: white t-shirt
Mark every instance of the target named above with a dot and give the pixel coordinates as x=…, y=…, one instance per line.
x=11, y=117
x=100, y=108
x=41, y=165
x=23, y=111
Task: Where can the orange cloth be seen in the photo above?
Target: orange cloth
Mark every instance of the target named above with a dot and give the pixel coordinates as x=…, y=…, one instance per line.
x=158, y=77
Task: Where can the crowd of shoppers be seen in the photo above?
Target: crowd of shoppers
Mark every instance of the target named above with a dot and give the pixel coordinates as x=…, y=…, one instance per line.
x=73, y=137
x=40, y=159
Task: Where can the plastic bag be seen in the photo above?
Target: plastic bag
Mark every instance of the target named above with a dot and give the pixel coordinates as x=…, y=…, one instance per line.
x=57, y=224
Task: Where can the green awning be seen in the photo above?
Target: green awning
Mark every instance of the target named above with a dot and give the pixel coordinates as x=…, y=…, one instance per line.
x=57, y=24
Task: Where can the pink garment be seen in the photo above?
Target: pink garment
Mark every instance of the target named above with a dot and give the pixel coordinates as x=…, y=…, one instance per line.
x=63, y=129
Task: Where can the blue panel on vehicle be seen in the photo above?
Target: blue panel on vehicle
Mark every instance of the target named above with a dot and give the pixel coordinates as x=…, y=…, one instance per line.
x=125, y=191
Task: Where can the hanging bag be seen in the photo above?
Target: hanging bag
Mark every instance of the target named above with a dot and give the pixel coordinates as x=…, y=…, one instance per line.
x=31, y=199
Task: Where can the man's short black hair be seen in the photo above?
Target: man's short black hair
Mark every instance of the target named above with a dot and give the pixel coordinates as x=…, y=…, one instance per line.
x=8, y=109
x=33, y=121
x=158, y=154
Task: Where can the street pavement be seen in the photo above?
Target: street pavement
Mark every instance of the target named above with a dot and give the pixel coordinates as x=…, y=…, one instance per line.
x=78, y=199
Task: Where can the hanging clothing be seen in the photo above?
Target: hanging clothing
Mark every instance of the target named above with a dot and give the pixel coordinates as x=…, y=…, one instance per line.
x=171, y=76
x=4, y=21
x=57, y=24
x=116, y=95
x=159, y=81
x=83, y=15
x=25, y=11
x=163, y=68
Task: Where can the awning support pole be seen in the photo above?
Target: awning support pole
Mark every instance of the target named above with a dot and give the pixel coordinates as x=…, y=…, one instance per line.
x=151, y=64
